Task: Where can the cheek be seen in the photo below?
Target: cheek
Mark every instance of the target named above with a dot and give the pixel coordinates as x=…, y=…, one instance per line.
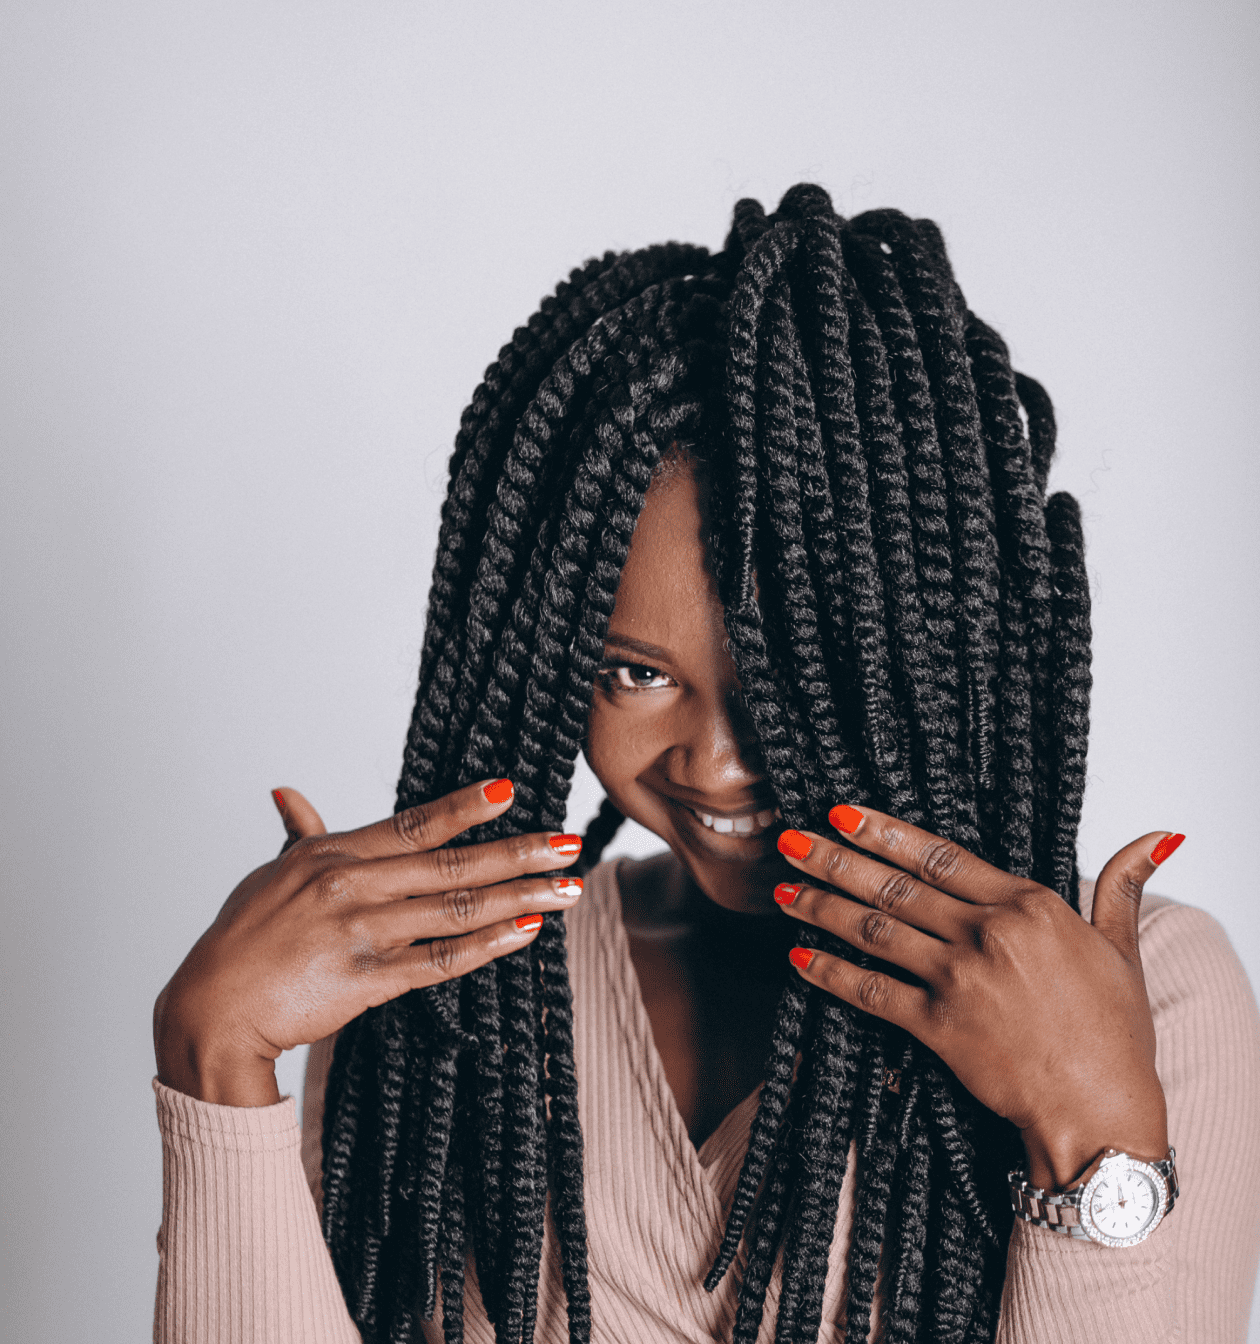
x=620, y=745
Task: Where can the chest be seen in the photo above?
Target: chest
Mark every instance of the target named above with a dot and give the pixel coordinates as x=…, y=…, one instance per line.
x=711, y=1027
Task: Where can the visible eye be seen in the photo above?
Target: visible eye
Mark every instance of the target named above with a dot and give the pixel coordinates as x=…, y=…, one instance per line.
x=631, y=677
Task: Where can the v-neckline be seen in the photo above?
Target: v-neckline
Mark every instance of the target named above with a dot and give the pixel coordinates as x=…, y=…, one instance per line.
x=700, y=1164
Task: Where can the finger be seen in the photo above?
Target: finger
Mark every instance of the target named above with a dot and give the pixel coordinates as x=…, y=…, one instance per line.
x=448, y=958
x=1118, y=891
x=891, y=890
x=868, y=930
x=940, y=863
x=430, y=825
x=455, y=868
x=874, y=992
x=299, y=817
x=452, y=913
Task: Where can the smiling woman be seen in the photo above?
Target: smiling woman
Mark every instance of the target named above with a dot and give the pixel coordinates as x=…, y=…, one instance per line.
x=766, y=534
x=669, y=737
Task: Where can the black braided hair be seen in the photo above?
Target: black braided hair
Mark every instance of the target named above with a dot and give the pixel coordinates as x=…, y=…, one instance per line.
x=909, y=618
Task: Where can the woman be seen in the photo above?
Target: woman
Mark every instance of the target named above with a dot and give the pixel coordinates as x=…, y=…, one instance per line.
x=765, y=534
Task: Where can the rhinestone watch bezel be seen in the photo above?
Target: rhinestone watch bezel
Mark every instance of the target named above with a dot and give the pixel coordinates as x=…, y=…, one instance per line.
x=1107, y=1167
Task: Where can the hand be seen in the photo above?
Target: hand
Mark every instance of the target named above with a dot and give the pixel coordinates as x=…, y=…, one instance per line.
x=330, y=928
x=1043, y=1017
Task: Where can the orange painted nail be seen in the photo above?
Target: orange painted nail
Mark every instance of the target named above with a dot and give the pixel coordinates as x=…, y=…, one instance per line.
x=1165, y=847
x=497, y=791
x=795, y=845
x=800, y=957
x=845, y=818
x=278, y=798
x=565, y=844
x=786, y=892
x=568, y=886
x=529, y=923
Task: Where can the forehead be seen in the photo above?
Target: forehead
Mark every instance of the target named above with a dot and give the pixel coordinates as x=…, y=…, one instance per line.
x=667, y=586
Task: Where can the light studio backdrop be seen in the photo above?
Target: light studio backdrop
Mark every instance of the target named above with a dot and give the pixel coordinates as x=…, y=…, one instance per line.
x=254, y=258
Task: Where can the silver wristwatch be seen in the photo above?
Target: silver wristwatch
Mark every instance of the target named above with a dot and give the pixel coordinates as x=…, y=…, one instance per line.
x=1119, y=1201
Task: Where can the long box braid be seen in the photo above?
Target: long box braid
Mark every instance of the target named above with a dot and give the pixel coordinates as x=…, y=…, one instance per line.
x=909, y=618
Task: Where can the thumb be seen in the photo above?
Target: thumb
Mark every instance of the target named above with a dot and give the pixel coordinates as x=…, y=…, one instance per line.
x=299, y=817
x=1118, y=891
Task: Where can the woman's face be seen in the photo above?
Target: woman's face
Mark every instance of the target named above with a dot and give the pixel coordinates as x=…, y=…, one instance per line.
x=670, y=739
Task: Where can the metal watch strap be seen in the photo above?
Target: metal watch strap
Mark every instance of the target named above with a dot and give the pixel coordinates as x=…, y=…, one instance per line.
x=1061, y=1212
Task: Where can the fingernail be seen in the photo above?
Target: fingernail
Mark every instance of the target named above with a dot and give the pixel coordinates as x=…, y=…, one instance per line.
x=786, y=892
x=565, y=844
x=800, y=957
x=568, y=886
x=278, y=798
x=529, y=923
x=497, y=791
x=1165, y=847
x=845, y=818
x=795, y=845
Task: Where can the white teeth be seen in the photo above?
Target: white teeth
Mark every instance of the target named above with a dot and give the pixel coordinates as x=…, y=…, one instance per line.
x=745, y=825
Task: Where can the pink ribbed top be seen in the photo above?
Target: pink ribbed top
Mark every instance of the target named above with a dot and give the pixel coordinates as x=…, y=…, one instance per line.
x=242, y=1259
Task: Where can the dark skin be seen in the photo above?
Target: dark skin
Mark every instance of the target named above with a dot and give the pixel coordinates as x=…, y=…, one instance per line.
x=1041, y=1015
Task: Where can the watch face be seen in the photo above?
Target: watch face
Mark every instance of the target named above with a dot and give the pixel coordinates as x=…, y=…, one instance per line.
x=1122, y=1203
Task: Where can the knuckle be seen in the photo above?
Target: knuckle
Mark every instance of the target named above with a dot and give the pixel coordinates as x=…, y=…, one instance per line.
x=311, y=852
x=1034, y=906
x=334, y=886
x=463, y=905
x=835, y=864
x=356, y=934
x=939, y=860
x=895, y=891
x=364, y=959
x=1129, y=887
x=523, y=850
x=444, y=957
x=413, y=826
x=453, y=866
x=872, y=992
x=876, y=929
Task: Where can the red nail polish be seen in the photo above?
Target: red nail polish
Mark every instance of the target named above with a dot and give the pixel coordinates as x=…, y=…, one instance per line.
x=278, y=798
x=800, y=957
x=529, y=923
x=565, y=844
x=845, y=818
x=1165, y=847
x=568, y=886
x=786, y=892
x=795, y=845
x=497, y=791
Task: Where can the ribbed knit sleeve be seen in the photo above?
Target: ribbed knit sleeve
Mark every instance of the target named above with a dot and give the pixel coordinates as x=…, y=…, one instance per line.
x=1192, y=1280
x=240, y=1255
x=242, y=1258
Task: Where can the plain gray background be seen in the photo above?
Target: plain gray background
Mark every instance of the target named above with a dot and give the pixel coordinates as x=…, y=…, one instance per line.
x=254, y=259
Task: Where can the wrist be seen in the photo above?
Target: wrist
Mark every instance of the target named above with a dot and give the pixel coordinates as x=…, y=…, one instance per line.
x=1057, y=1157
x=209, y=1067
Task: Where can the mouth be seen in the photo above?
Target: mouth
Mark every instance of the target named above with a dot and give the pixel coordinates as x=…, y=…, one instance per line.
x=747, y=825
x=738, y=834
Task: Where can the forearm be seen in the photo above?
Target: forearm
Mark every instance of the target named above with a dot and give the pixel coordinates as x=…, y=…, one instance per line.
x=241, y=1257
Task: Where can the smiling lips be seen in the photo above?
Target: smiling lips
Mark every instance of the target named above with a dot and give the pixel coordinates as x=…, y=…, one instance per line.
x=751, y=824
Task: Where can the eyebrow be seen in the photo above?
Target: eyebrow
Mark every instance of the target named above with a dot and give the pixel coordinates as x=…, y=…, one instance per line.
x=652, y=652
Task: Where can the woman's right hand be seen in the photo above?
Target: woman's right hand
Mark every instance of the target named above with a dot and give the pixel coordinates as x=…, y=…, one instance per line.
x=330, y=928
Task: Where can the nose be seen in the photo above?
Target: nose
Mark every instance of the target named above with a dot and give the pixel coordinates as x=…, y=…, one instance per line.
x=716, y=750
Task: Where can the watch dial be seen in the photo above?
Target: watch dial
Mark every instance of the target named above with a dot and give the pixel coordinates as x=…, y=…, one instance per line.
x=1123, y=1204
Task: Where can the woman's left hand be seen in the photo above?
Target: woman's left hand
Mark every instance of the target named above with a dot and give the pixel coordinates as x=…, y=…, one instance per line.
x=1042, y=1017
